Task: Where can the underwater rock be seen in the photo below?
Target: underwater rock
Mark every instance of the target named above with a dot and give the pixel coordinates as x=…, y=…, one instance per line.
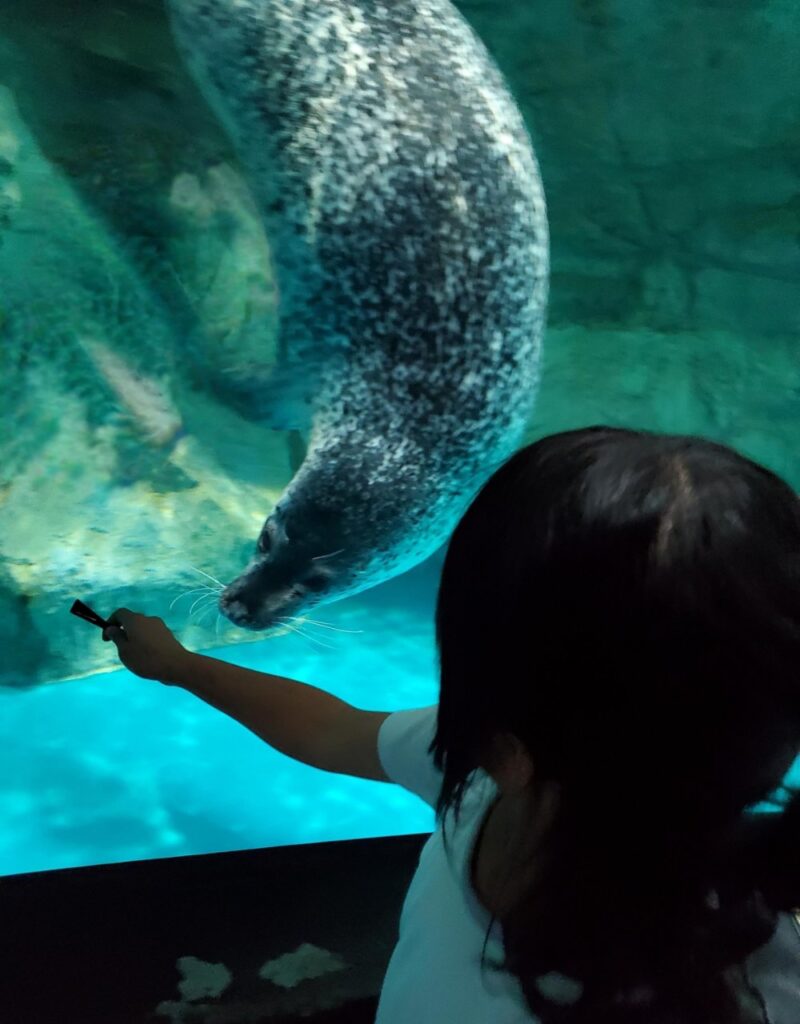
x=10, y=188
x=740, y=301
x=231, y=287
x=666, y=296
x=717, y=384
x=669, y=135
x=88, y=506
x=113, y=110
x=146, y=398
x=28, y=654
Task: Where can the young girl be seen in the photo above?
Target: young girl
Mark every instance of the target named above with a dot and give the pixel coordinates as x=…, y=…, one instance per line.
x=618, y=625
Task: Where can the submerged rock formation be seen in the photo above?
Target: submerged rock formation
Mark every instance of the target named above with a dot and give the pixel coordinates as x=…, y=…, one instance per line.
x=669, y=136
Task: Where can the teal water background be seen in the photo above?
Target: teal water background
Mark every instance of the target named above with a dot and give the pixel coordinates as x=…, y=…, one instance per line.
x=669, y=139
x=115, y=768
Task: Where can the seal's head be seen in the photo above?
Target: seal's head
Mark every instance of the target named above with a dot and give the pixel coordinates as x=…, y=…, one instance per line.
x=293, y=569
x=340, y=527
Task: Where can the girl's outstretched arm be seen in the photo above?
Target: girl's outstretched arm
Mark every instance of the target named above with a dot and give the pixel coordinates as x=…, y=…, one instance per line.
x=301, y=721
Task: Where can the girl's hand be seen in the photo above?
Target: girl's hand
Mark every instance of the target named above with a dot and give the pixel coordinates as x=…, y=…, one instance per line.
x=146, y=646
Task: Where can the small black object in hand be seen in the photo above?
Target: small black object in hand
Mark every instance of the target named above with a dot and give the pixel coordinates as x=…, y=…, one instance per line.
x=83, y=611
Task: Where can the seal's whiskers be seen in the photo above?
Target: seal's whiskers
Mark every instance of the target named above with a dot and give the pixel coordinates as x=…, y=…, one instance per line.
x=208, y=576
x=189, y=593
x=327, y=625
x=318, y=558
x=208, y=608
x=285, y=621
x=203, y=597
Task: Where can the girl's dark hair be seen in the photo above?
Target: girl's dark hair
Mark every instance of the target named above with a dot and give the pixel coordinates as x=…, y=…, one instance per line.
x=628, y=605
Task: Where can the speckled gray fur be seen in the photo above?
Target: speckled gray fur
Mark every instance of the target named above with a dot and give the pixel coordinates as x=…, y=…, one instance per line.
x=404, y=206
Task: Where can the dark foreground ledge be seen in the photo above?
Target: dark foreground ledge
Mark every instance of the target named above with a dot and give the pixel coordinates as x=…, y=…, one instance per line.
x=101, y=945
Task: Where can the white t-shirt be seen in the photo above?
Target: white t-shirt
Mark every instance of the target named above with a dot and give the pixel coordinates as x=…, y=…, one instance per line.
x=435, y=975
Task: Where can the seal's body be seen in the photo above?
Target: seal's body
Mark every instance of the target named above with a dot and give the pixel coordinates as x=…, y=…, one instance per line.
x=403, y=203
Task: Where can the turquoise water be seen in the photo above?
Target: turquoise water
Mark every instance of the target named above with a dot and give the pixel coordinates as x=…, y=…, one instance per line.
x=115, y=768
x=131, y=463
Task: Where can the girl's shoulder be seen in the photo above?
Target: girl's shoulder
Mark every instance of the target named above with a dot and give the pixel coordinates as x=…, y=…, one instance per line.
x=773, y=972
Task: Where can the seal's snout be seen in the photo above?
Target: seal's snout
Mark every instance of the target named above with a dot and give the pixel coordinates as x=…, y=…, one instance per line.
x=261, y=595
x=241, y=602
x=237, y=612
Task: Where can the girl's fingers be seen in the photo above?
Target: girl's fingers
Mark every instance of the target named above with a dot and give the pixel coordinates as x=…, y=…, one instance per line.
x=115, y=633
x=115, y=630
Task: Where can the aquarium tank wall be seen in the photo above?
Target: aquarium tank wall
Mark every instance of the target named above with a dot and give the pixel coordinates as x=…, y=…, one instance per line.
x=139, y=316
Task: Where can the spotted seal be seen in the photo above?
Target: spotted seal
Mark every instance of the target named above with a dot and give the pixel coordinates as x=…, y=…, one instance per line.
x=402, y=198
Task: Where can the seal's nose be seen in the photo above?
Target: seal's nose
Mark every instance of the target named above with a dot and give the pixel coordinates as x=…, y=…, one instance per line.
x=234, y=610
x=249, y=600
x=238, y=602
